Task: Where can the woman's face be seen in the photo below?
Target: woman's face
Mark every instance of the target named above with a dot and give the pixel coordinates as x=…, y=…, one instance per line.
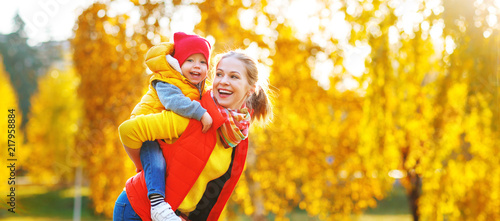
x=231, y=86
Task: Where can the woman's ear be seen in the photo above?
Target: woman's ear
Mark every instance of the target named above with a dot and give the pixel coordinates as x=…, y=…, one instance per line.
x=252, y=90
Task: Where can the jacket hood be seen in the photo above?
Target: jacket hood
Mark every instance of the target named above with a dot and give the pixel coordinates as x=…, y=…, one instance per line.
x=155, y=57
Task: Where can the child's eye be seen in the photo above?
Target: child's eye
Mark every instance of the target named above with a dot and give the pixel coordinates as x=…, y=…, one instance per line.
x=203, y=62
x=190, y=60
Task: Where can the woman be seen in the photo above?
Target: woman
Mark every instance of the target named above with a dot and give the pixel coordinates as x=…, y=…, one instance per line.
x=202, y=169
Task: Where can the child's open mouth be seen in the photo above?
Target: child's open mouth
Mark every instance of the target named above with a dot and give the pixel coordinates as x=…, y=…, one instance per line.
x=195, y=74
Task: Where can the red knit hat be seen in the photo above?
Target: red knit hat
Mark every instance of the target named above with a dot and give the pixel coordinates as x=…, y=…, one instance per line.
x=185, y=45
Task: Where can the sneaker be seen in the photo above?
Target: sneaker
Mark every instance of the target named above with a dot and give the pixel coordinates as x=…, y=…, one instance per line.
x=163, y=212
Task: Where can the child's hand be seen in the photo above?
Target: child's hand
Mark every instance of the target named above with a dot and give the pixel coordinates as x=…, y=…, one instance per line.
x=138, y=169
x=206, y=121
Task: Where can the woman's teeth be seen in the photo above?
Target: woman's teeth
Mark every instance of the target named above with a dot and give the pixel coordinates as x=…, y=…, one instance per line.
x=225, y=92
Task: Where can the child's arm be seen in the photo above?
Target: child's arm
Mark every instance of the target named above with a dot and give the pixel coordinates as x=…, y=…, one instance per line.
x=173, y=99
x=206, y=121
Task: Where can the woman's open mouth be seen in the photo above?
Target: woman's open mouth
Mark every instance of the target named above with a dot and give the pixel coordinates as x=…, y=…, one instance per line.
x=224, y=93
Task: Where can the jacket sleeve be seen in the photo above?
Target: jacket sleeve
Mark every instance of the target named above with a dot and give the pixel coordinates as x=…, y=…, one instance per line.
x=164, y=125
x=173, y=99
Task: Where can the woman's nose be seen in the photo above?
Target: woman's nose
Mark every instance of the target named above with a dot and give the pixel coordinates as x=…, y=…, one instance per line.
x=224, y=80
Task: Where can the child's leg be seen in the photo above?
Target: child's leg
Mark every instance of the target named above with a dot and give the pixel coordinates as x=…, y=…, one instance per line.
x=154, y=167
x=164, y=125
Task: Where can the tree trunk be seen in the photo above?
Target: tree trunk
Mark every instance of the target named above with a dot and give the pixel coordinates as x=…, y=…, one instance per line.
x=414, y=193
x=77, y=207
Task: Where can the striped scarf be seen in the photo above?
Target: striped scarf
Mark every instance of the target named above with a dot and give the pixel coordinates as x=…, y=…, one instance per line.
x=235, y=127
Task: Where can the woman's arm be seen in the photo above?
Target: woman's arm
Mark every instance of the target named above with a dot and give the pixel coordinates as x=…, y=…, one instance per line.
x=135, y=156
x=164, y=125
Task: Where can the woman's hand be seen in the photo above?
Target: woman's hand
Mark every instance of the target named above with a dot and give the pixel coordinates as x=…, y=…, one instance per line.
x=206, y=121
x=183, y=217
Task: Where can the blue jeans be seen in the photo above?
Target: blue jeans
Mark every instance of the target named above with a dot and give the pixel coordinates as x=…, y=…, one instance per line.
x=123, y=210
x=154, y=167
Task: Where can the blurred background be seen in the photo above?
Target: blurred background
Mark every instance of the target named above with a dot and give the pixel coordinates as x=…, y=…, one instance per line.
x=384, y=110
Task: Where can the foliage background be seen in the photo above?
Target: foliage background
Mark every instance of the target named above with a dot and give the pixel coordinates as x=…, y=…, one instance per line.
x=366, y=92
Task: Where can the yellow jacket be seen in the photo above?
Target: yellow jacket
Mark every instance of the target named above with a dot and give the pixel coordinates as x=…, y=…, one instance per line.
x=162, y=71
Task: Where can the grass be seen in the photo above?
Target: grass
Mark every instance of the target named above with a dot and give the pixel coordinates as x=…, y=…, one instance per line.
x=40, y=203
x=395, y=203
x=34, y=203
x=395, y=207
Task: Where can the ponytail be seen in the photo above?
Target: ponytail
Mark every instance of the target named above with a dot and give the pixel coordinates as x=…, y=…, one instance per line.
x=261, y=105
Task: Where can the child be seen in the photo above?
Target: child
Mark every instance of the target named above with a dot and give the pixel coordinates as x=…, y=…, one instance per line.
x=177, y=80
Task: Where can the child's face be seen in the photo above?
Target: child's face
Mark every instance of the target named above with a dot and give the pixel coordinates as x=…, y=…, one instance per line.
x=195, y=68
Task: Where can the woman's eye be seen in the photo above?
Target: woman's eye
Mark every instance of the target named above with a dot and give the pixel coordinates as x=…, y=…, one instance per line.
x=218, y=74
x=235, y=77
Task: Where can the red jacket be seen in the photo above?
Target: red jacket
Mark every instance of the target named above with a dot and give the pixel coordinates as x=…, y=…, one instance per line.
x=185, y=160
